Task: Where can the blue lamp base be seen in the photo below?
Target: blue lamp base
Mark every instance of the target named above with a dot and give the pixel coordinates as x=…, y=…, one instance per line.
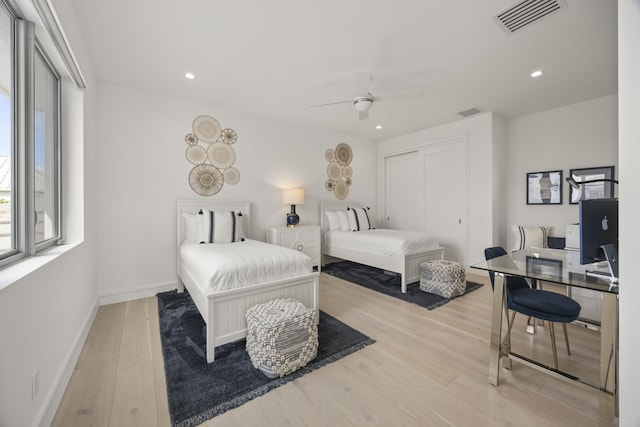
x=292, y=217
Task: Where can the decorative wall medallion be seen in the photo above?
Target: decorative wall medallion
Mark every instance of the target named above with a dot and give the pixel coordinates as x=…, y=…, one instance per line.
x=206, y=180
x=229, y=136
x=342, y=190
x=221, y=155
x=231, y=176
x=196, y=154
x=339, y=170
x=344, y=155
x=210, y=150
x=206, y=128
x=334, y=171
x=191, y=139
x=330, y=155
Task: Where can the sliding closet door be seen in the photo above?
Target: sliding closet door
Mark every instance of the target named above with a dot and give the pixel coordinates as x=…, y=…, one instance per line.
x=403, y=192
x=445, y=195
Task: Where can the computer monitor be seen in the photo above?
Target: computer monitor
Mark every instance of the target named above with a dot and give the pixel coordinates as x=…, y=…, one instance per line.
x=598, y=227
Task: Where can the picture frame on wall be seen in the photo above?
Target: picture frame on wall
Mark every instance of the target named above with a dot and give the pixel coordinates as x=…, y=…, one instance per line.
x=592, y=190
x=544, y=188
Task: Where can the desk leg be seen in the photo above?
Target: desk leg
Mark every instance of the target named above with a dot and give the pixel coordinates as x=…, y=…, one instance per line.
x=609, y=345
x=496, y=329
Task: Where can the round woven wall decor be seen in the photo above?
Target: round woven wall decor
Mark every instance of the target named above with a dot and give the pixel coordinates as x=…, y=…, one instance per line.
x=209, y=148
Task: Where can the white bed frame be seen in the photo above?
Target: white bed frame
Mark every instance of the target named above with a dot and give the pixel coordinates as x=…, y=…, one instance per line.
x=224, y=311
x=408, y=266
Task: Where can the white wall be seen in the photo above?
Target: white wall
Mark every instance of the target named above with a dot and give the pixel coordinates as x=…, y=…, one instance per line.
x=575, y=136
x=478, y=131
x=629, y=125
x=142, y=171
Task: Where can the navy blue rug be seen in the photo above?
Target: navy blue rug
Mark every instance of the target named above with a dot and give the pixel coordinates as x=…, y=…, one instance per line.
x=389, y=284
x=198, y=391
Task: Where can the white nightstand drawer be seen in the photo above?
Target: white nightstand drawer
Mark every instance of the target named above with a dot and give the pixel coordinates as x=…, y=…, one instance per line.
x=304, y=238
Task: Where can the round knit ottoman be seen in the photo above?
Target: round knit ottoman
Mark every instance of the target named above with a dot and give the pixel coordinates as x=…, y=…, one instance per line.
x=282, y=336
x=442, y=277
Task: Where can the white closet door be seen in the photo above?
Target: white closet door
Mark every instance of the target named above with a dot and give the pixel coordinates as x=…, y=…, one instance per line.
x=445, y=196
x=403, y=192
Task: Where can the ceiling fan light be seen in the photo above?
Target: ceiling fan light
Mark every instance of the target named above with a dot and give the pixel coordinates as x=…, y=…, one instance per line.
x=363, y=104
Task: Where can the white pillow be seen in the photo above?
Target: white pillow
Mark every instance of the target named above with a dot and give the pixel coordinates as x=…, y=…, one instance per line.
x=220, y=227
x=344, y=220
x=334, y=221
x=358, y=219
x=189, y=227
x=526, y=237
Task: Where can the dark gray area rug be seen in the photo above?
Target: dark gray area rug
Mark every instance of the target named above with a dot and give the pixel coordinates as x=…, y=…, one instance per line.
x=198, y=391
x=377, y=280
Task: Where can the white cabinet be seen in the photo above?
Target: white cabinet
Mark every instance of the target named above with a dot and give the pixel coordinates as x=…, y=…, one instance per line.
x=303, y=238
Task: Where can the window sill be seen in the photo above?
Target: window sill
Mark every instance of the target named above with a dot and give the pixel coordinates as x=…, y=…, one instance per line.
x=20, y=269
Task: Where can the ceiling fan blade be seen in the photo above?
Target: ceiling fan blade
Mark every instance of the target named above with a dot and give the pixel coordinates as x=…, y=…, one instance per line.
x=363, y=115
x=363, y=79
x=332, y=103
x=400, y=95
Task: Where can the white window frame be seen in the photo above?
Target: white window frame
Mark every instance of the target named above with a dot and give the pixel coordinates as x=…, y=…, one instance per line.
x=23, y=221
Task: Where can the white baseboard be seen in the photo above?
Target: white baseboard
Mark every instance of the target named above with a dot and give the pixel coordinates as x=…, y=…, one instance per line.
x=132, y=294
x=47, y=411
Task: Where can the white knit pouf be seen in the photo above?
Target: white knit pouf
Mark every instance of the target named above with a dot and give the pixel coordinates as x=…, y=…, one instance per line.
x=282, y=336
x=442, y=277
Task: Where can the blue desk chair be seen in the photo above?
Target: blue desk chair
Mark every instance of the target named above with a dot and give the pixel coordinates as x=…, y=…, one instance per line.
x=537, y=303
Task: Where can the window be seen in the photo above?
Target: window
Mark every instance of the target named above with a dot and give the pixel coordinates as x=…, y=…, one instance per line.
x=7, y=235
x=29, y=142
x=45, y=177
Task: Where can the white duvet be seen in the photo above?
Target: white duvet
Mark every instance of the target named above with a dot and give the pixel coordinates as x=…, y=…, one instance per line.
x=382, y=241
x=220, y=266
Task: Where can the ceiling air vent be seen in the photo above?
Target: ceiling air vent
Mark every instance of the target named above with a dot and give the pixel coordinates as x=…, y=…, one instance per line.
x=470, y=112
x=526, y=13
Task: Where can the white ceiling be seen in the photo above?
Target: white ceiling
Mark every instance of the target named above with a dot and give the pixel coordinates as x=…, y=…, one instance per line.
x=275, y=59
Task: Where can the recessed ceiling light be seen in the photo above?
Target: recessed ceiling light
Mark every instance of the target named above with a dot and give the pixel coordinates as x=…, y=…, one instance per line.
x=378, y=127
x=190, y=76
x=536, y=73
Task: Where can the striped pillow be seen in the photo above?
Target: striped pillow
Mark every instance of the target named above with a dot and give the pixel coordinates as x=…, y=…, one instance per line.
x=526, y=237
x=220, y=227
x=359, y=219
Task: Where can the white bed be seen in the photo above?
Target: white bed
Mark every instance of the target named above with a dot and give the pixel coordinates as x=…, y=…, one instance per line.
x=223, y=308
x=392, y=250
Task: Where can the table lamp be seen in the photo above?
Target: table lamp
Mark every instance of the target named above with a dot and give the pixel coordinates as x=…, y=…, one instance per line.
x=293, y=197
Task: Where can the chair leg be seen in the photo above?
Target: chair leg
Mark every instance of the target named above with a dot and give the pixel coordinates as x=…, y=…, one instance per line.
x=553, y=344
x=566, y=338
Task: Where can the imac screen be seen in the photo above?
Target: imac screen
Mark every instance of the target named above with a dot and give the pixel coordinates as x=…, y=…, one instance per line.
x=598, y=227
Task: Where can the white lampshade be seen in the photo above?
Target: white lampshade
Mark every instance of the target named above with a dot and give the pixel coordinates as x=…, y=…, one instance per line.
x=293, y=196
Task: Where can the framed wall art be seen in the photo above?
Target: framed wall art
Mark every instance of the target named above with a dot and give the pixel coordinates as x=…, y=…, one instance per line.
x=544, y=188
x=592, y=190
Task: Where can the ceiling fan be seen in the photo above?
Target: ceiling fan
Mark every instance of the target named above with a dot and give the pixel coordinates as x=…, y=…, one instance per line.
x=363, y=100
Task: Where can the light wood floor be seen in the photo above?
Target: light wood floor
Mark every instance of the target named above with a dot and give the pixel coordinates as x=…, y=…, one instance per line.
x=427, y=368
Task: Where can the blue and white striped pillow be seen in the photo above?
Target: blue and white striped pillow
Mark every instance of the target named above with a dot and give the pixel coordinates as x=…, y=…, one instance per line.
x=526, y=237
x=220, y=227
x=359, y=219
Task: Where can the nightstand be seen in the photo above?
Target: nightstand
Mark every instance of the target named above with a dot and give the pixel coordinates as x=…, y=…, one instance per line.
x=303, y=238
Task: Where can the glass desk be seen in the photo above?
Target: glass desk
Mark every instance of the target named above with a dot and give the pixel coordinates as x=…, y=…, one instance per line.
x=561, y=267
